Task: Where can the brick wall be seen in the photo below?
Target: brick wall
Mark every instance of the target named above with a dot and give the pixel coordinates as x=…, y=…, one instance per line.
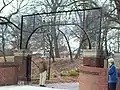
x=92, y=78
x=8, y=73
x=93, y=62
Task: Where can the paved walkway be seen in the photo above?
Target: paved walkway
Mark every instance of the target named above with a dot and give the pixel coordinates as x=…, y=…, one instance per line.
x=69, y=86
x=26, y=87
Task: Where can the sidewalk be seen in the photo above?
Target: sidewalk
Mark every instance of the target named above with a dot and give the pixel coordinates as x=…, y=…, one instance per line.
x=69, y=86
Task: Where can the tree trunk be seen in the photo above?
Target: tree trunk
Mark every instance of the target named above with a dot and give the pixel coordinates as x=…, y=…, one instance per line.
x=51, y=48
x=80, y=45
x=68, y=45
x=78, y=51
x=57, y=55
x=3, y=44
x=51, y=52
x=106, y=50
x=117, y=3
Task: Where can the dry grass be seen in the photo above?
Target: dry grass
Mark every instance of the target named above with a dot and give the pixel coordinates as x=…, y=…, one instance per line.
x=8, y=58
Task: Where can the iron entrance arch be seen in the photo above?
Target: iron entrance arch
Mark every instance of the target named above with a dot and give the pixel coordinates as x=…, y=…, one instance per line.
x=59, y=12
x=42, y=23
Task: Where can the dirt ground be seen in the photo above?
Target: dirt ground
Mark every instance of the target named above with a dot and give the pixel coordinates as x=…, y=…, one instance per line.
x=60, y=66
x=58, y=70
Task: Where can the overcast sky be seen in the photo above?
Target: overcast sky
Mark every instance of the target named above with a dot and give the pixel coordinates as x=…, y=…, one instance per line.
x=10, y=9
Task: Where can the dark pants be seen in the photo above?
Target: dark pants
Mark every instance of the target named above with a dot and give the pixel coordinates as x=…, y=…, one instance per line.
x=112, y=86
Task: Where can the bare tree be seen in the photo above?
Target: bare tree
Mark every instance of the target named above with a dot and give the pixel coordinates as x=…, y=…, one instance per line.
x=15, y=7
x=54, y=6
x=117, y=3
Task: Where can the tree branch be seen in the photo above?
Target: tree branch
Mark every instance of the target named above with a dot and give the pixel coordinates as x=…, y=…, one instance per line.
x=17, y=9
x=112, y=18
x=48, y=4
x=5, y=5
x=59, y=3
x=69, y=4
x=10, y=22
x=4, y=2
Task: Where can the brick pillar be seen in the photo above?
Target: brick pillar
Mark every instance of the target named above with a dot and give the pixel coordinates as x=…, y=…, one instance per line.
x=20, y=58
x=92, y=74
x=90, y=58
x=93, y=78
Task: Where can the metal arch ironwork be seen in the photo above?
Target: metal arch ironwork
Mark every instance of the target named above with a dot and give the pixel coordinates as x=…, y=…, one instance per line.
x=22, y=17
x=56, y=25
x=64, y=11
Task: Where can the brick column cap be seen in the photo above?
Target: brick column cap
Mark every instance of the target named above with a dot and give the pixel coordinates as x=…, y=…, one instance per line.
x=22, y=52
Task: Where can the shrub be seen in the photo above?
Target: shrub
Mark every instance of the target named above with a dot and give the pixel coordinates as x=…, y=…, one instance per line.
x=73, y=73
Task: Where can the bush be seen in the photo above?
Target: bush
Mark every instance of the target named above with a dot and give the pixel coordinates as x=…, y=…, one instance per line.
x=73, y=73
